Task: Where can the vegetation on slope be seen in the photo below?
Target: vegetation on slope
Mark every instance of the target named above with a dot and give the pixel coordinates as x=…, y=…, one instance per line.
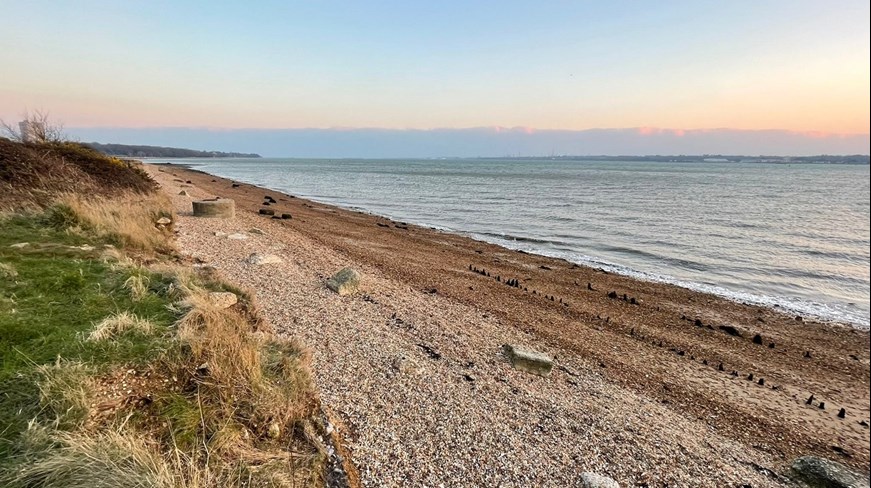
x=140, y=151
x=116, y=367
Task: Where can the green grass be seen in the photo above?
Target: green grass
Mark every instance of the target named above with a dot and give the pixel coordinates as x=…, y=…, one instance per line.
x=51, y=295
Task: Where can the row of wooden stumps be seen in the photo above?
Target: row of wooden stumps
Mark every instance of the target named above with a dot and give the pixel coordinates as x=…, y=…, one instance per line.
x=514, y=283
x=757, y=339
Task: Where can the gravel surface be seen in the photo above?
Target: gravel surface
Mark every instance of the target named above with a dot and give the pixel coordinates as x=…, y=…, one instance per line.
x=425, y=397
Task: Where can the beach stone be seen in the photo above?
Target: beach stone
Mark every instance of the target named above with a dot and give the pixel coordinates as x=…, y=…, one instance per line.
x=164, y=221
x=261, y=259
x=823, y=473
x=256, y=231
x=593, y=480
x=527, y=360
x=274, y=430
x=345, y=282
x=266, y=211
x=222, y=208
x=20, y=245
x=183, y=193
x=223, y=299
x=238, y=236
x=405, y=365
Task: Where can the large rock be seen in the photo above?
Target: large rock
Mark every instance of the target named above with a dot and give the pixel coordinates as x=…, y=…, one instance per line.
x=822, y=473
x=223, y=299
x=223, y=208
x=261, y=259
x=345, y=282
x=593, y=480
x=524, y=359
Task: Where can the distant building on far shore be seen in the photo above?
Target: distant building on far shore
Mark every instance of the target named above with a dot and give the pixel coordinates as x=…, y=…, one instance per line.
x=31, y=131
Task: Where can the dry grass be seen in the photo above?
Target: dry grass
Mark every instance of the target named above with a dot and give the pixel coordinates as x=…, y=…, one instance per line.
x=119, y=323
x=244, y=411
x=138, y=283
x=66, y=389
x=129, y=218
x=7, y=271
x=77, y=460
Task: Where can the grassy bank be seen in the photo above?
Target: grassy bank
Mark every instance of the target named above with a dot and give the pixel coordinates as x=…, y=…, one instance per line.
x=118, y=366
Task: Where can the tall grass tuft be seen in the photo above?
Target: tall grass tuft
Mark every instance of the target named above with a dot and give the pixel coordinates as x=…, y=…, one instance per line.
x=118, y=324
x=66, y=389
x=128, y=219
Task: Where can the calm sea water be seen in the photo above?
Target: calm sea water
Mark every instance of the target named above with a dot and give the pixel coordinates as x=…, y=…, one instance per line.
x=795, y=236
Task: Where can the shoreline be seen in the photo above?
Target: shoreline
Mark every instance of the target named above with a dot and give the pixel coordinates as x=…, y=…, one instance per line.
x=795, y=306
x=658, y=350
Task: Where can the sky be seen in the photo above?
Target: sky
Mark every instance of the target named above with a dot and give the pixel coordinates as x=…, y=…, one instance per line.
x=245, y=69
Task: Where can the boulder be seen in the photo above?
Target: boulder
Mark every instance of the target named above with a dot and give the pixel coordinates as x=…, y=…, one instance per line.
x=223, y=299
x=527, y=360
x=261, y=259
x=345, y=282
x=822, y=473
x=593, y=480
x=222, y=208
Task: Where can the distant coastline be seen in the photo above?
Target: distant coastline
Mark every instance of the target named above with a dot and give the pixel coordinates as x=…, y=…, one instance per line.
x=709, y=158
x=140, y=151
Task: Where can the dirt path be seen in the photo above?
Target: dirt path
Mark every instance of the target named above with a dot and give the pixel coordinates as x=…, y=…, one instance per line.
x=413, y=366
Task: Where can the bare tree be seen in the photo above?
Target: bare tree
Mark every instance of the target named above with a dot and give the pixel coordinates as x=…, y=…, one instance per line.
x=34, y=127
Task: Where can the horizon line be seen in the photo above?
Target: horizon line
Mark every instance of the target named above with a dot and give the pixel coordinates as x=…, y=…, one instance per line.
x=641, y=130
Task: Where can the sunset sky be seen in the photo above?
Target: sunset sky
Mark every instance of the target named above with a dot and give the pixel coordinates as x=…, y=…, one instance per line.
x=790, y=65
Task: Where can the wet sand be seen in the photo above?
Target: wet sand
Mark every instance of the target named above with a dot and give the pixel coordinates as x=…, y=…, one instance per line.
x=649, y=389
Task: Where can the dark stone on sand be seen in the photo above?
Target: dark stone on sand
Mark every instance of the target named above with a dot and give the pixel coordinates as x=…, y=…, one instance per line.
x=612, y=294
x=236, y=185
x=632, y=301
x=286, y=216
x=757, y=339
x=770, y=345
x=590, y=286
x=705, y=362
x=267, y=211
x=750, y=377
x=698, y=323
x=807, y=354
x=810, y=400
x=822, y=406
x=721, y=368
x=798, y=318
x=842, y=413
x=546, y=268
x=266, y=203
x=730, y=330
x=761, y=381
x=432, y=353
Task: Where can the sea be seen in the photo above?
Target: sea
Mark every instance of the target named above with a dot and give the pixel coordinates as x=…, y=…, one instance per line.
x=787, y=236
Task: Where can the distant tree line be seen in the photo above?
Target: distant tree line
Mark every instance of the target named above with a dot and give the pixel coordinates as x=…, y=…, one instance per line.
x=162, y=152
